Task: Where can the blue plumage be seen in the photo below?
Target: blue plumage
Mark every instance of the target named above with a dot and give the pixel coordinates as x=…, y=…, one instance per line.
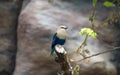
x=56, y=40
x=59, y=38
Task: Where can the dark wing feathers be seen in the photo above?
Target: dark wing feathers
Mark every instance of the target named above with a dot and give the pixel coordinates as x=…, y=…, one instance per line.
x=56, y=40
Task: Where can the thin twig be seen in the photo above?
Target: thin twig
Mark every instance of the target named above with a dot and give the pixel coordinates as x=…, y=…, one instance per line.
x=93, y=16
x=106, y=51
x=83, y=44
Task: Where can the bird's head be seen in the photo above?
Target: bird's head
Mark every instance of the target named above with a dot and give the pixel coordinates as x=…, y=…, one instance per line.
x=61, y=32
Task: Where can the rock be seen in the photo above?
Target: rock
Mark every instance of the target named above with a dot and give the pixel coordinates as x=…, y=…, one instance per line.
x=9, y=11
x=37, y=23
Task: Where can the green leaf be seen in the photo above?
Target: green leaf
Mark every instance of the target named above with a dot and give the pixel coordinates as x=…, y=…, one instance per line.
x=94, y=3
x=89, y=32
x=108, y=4
x=76, y=70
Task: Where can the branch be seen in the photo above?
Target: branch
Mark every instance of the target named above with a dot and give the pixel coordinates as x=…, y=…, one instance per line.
x=109, y=50
x=83, y=44
x=63, y=60
x=93, y=16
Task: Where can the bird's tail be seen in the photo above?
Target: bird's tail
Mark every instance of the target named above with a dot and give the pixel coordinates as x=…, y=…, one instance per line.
x=52, y=51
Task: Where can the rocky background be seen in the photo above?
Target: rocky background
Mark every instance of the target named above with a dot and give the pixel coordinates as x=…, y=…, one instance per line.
x=9, y=11
x=26, y=34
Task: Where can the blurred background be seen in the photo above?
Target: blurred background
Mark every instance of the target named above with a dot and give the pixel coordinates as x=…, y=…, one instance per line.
x=27, y=28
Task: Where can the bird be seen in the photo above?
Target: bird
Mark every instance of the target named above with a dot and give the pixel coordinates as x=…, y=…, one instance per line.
x=59, y=37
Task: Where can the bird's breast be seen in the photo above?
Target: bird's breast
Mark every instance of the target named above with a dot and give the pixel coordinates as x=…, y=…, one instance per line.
x=61, y=34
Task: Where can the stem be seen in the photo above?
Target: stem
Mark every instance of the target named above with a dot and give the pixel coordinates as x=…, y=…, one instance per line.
x=118, y=10
x=85, y=41
x=83, y=44
x=93, y=16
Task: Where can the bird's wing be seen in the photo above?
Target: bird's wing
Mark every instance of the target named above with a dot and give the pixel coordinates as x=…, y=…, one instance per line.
x=54, y=40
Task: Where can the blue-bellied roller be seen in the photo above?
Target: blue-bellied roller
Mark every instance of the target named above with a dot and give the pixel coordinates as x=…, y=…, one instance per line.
x=59, y=38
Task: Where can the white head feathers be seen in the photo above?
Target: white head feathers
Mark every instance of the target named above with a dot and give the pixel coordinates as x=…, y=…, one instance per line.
x=61, y=32
x=63, y=27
